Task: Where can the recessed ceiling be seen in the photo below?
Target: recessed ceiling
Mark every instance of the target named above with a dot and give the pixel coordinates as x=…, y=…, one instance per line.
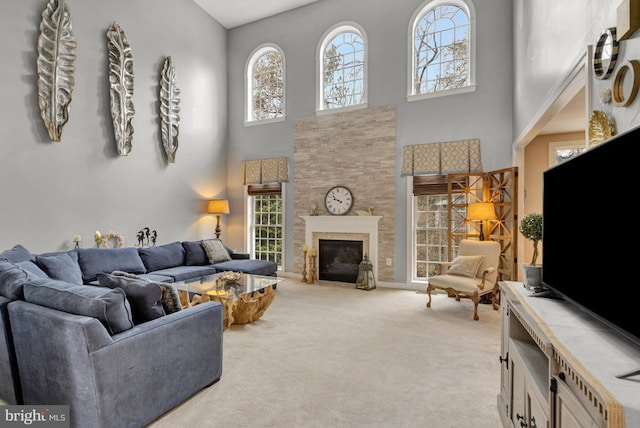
x=233, y=13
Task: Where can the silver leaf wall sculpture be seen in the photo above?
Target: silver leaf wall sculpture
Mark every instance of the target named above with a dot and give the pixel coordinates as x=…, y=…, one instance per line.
x=56, y=57
x=121, y=87
x=169, y=109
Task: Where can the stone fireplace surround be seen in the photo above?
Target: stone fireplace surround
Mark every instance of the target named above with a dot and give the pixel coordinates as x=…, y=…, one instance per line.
x=349, y=227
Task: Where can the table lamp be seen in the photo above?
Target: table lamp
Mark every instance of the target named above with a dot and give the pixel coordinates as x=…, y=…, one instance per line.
x=481, y=211
x=217, y=207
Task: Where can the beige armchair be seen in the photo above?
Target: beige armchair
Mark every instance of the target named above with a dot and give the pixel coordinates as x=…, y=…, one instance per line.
x=472, y=274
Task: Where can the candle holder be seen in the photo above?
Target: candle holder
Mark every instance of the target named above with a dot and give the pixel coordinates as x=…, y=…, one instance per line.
x=304, y=265
x=312, y=268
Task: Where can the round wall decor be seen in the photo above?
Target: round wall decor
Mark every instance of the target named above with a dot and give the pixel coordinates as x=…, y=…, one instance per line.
x=606, y=54
x=629, y=67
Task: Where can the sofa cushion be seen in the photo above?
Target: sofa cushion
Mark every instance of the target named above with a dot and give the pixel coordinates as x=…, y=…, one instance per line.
x=144, y=297
x=253, y=266
x=163, y=256
x=196, y=255
x=182, y=273
x=33, y=268
x=216, y=251
x=17, y=254
x=109, y=306
x=105, y=260
x=62, y=266
x=13, y=277
x=170, y=295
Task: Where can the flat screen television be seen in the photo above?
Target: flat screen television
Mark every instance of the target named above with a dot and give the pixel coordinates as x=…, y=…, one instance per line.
x=590, y=247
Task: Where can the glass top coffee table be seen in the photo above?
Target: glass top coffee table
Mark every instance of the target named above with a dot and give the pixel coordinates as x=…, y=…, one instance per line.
x=244, y=301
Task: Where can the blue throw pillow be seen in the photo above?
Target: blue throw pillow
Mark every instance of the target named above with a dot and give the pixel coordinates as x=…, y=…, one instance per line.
x=62, y=266
x=105, y=260
x=163, y=256
x=144, y=297
x=196, y=255
x=109, y=306
x=17, y=254
x=170, y=293
x=13, y=278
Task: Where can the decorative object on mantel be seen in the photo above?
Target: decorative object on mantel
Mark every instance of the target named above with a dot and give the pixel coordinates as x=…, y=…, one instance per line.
x=338, y=200
x=365, y=280
x=56, y=57
x=97, y=237
x=109, y=236
x=363, y=212
x=605, y=96
x=531, y=229
x=169, y=109
x=217, y=207
x=314, y=209
x=146, y=237
x=600, y=128
x=304, y=263
x=121, y=87
x=77, y=239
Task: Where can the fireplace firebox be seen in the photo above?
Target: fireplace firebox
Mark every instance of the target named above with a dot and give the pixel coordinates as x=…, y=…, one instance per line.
x=339, y=260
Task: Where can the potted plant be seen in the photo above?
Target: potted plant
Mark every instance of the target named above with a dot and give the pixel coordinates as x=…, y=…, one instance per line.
x=531, y=228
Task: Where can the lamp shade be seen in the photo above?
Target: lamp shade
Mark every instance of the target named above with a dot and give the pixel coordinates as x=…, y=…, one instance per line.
x=481, y=211
x=218, y=206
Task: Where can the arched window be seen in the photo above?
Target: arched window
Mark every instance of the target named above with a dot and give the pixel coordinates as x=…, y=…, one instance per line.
x=342, y=68
x=442, y=49
x=265, y=85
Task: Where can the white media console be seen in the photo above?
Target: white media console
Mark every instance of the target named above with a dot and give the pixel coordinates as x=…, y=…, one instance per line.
x=559, y=366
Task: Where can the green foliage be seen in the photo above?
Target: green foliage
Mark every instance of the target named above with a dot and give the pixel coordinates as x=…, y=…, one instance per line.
x=531, y=228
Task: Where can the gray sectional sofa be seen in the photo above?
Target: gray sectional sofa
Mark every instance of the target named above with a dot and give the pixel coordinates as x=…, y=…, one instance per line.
x=76, y=329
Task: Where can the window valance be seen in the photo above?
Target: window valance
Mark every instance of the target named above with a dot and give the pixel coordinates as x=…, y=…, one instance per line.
x=260, y=171
x=442, y=158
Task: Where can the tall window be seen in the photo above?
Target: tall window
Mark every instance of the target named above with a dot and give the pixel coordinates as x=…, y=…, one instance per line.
x=266, y=222
x=441, y=48
x=430, y=226
x=342, y=60
x=265, y=85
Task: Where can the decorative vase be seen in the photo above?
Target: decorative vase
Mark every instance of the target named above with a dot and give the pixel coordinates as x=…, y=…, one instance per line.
x=532, y=276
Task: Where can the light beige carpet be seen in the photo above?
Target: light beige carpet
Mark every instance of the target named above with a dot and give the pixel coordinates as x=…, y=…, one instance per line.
x=334, y=356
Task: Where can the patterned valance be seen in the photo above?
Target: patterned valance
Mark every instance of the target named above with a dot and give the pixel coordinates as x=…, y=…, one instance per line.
x=442, y=158
x=260, y=171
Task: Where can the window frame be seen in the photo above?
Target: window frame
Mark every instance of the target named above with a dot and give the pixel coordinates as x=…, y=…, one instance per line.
x=250, y=226
x=468, y=7
x=248, y=107
x=327, y=37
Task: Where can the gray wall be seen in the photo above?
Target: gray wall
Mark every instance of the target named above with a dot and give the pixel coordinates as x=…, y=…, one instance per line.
x=483, y=114
x=547, y=46
x=54, y=190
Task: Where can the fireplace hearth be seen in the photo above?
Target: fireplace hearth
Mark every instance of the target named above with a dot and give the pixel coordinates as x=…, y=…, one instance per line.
x=339, y=259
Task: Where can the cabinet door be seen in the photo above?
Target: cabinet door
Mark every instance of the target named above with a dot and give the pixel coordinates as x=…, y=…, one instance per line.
x=569, y=412
x=517, y=388
x=536, y=407
x=504, y=358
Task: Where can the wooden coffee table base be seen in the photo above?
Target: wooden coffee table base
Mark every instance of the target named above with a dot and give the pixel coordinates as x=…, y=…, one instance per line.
x=237, y=310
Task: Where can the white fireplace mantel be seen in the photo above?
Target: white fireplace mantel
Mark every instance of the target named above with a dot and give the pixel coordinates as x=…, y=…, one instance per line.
x=348, y=224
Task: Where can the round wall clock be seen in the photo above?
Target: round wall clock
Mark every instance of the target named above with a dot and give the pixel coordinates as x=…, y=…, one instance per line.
x=339, y=200
x=606, y=54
